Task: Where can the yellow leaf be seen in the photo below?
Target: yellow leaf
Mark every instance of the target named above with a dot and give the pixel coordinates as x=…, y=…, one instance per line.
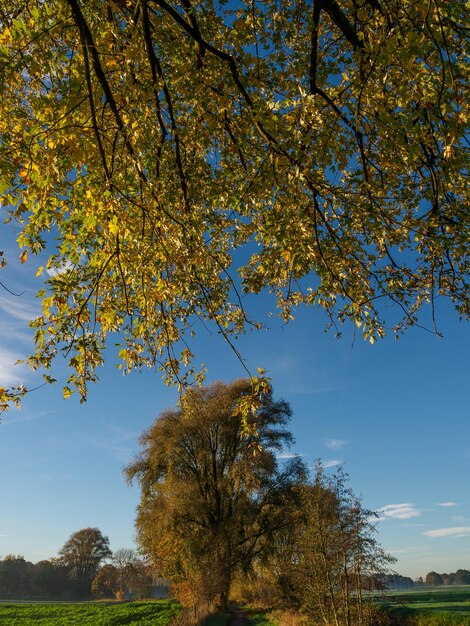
x=113, y=226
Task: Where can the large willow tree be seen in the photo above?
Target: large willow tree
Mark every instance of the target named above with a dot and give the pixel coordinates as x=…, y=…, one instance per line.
x=211, y=499
x=183, y=154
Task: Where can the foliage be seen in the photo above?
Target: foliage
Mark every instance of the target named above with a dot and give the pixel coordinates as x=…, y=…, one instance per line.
x=433, y=578
x=106, y=583
x=258, y=588
x=211, y=497
x=278, y=618
x=82, y=553
x=158, y=613
x=330, y=556
x=396, y=581
x=460, y=577
x=261, y=620
x=46, y=579
x=124, y=558
x=15, y=575
x=199, y=615
x=49, y=578
x=169, y=156
x=134, y=576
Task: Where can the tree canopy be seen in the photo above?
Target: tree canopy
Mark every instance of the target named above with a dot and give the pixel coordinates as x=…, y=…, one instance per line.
x=330, y=555
x=83, y=553
x=172, y=156
x=210, y=497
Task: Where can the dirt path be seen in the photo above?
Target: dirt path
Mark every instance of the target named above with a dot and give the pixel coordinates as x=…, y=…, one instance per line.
x=238, y=619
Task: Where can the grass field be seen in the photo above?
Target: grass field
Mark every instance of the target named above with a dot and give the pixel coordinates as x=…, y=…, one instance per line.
x=152, y=613
x=438, y=606
x=260, y=620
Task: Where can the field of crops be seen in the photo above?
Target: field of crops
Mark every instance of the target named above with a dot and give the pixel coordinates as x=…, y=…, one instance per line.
x=152, y=613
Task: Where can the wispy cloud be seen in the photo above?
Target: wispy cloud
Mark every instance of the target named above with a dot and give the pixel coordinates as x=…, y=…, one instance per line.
x=405, y=510
x=282, y=364
x=11, y=374
x=14, y=333
x=52, y=271
x=8, y=420
x=15, y=337
x=447, y=503
x=457, y=531
x=332, y=462
x=297, y=381
x=122, y=434
x=21, y=308
x=115, y=442
x=457, y=518
x=295, y=455
x=335, y=444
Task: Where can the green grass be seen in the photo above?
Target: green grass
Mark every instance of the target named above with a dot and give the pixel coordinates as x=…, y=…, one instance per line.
x=436, y=597
x=438, y=606
x=432, y=594
x=417, y=617
x=260, y=619
x=152, y=613
x=455, y=607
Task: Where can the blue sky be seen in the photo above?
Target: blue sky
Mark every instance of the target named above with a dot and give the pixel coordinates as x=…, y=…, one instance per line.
x=396, y=414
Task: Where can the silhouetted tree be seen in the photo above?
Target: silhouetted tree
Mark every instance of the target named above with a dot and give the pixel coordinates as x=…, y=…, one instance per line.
x=15, y=575
x=50, y=578
x=433, y=578
x=83, y=553
x=134, y=574
x=462, y=577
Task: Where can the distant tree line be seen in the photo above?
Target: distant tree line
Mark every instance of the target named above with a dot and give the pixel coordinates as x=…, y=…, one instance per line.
x=395, y=581
x=77, y=572
x=460, y=577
